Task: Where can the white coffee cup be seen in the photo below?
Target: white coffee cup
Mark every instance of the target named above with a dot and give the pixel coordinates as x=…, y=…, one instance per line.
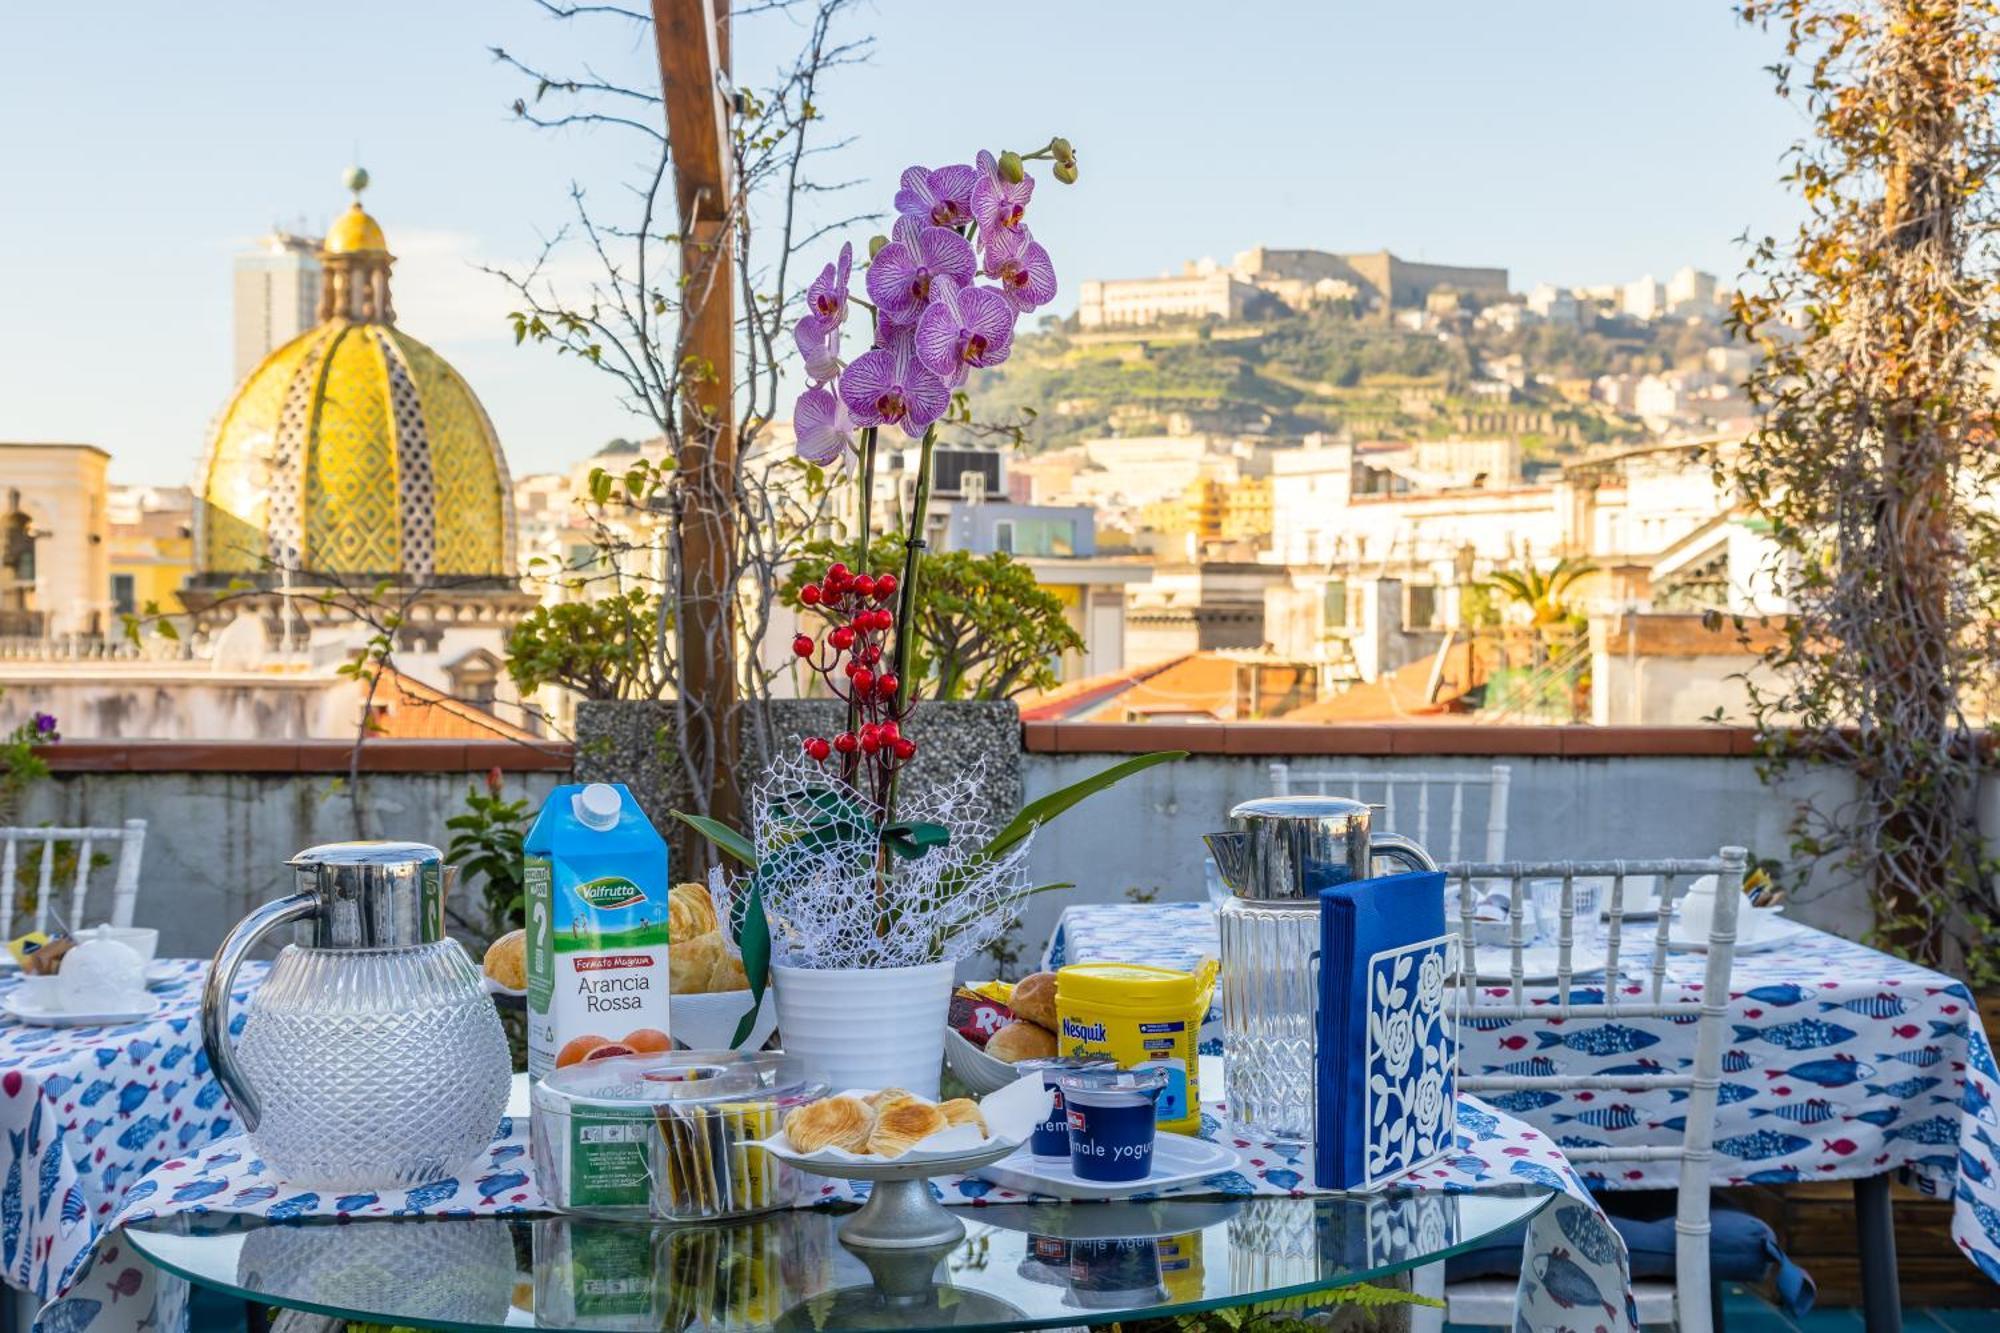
x=142, y=940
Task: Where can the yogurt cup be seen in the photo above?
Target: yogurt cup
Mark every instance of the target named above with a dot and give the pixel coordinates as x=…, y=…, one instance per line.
x=1050, y=1141
x=1111, y=1121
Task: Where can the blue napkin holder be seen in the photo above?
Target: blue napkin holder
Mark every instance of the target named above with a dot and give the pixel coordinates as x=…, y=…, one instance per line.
x=1387, y=1031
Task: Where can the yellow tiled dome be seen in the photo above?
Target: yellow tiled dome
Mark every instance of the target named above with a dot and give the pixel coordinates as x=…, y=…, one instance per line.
x=354, y=452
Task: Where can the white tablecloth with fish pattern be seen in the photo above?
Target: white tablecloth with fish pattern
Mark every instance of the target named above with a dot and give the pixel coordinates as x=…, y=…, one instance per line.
x=1574, y=1271
x=86, y=1112
x=1840, y=1062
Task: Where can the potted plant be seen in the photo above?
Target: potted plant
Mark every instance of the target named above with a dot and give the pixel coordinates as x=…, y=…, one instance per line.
x=864, y=897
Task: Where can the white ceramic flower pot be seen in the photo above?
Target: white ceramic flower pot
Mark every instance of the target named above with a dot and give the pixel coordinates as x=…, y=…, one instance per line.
x=866, y=1027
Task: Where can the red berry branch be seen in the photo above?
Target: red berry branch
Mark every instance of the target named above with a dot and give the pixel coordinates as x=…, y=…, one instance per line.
x=848, y=656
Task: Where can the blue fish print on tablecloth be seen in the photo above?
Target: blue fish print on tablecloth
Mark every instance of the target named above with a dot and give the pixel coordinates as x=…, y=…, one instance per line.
x=971, y=1187
x=1974, y=1102
x=1781, y=996
x=1774, y=1175
x=58, y=1085
x=1283, y=1177
x=253, y=1194
x=1585, y=1230
x=96, y=1092
x=507, y=1152
x=174, y=1056
x=51, y=1172
x=140, y=1051
x=500, y=1182
x=72, y=1314
x=1882, y=1117
x=1539, y=1066
x=1973, y=1169
x=1943, y=1165
x=210, y=1094
x=74, y=1209
x=1614, y=1117
x=133, y=1096
x=143, y=1190
x=1476, y=1123
x=216, y=1160
x=1577, y=1141
x=296, y=1206
x=1725, y=1094
x=105, y=1057
x=1568, y=1282
x=1760, y=1144
x=428, y=1196
x=1955, y=1029
x=1922, y=1058
x=1905, y=1089
x=1881, y=1005
x=1934, y=1132
x=141, y=1132
x=170, y=1091
x=1735, y=1062
x=1641, y=1068
x=192, y=1190
x=1801, y=1034
x=1989, y=1221
x=1810, y=1112
x=1598, y=1039
x=1836, y=1071
x=93, y=1127
x=1524, y=1101
x=354, y=1203
x=10, y=1205
x=1537, y=1173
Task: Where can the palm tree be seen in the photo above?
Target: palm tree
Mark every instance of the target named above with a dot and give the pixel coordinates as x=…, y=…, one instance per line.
x=1541, y=591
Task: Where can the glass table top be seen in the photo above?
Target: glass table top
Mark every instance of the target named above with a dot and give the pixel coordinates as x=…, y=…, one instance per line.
x=1019, y=1265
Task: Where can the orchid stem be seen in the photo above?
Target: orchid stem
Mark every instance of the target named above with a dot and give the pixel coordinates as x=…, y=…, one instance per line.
x=850, y=766
x=906, y=600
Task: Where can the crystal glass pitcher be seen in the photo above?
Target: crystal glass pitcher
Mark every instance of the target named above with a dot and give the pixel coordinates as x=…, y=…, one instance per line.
x=370, y=1057
x=1285, y=850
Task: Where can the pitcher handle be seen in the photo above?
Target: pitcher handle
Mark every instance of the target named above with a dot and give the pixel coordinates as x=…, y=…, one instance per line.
x=1400, y=849
x=215, y=996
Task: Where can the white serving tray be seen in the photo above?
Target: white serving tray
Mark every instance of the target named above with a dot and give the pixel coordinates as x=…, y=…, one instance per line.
x=1178, y=1159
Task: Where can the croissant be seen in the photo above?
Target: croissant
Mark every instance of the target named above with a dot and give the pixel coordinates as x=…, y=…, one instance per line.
x=836, y=1122
x=690, y=912
x=901, y=1125
x=878, y=1100
x=691, y=962
x=964, y=1111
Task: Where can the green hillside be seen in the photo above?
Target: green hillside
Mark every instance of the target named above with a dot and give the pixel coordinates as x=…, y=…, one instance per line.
x=1303, y=373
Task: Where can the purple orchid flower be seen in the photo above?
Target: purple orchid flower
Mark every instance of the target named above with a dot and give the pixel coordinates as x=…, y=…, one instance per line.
x=827, y=297
x=45, y=723
x=821, y=423
x=888, y=386
x=942, y=197
x=899, y=281
x=998, y=204
x=963, y=328
x=1017, y=261
x=819, y=347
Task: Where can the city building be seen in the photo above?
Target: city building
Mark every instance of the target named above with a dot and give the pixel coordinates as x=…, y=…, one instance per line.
x=1127, y=302
x=55, y=566
x=1557, y=305
x=1293, y=279
x=1691, y=293
x=151, y=539
x=276, y=296
x=1643, y=299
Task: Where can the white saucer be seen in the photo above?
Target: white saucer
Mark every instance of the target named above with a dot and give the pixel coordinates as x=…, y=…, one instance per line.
x=129, y=1009
x=1539, y=962
x=1177, y=1160
x=1773, y=931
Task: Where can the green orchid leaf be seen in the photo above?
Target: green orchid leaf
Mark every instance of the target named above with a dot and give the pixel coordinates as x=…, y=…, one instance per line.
x=911, y=839
x=723, y=836
x=753, y=941
x=1043, y=809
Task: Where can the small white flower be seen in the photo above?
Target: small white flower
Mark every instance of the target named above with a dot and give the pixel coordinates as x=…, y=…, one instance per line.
x=1430, y=983
x=1427, y=1104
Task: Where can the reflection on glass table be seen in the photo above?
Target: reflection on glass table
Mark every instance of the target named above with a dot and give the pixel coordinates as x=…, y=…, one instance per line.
x=1019, y=1266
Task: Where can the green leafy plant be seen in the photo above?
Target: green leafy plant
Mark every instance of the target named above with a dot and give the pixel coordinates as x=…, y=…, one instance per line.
x=486, y=844
x=985, y=629
x=603, y=648
x=1543, y=591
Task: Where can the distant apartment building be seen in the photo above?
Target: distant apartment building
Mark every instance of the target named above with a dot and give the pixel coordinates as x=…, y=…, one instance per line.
x=1298, y=279
x=276, y=297
x=1691, y=292
x=1557, y=305
x=150, y=530
x=55, y=556
x=1643, y=299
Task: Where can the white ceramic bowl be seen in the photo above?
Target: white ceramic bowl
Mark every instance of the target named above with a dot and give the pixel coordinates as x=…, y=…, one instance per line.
x=978, y=1071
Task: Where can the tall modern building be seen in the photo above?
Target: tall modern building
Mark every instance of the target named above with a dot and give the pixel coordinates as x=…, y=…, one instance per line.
x=277, y=296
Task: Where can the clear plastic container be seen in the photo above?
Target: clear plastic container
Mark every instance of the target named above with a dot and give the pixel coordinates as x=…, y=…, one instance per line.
x=665, y=1137
x=1270, y=1002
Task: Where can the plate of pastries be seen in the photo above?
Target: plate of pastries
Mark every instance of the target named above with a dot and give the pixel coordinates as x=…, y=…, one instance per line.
x=862, y=1134
x=993, y=1024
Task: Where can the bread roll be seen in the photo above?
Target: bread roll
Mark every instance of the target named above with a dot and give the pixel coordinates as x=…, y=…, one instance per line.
x=507, y=960
x=835, y=1122
x=901, y=1125
x=964, y=1111
x=690, y=912
x=1035, y=999
x=1021, y=1041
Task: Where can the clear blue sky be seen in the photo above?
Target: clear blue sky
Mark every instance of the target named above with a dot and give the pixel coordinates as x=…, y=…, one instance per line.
x=145, y=143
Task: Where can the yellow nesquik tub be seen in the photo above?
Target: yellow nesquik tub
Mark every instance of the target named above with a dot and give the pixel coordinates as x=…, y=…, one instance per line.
x=1140, y=1016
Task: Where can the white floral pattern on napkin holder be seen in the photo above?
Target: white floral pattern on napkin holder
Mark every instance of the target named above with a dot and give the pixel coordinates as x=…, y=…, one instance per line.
x=1410, y=1104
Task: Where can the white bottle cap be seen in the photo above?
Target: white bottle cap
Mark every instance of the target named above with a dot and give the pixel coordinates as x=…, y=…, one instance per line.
x=597, y=806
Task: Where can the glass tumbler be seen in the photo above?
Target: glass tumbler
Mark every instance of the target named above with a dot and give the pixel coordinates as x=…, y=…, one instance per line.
x=1270, y=1003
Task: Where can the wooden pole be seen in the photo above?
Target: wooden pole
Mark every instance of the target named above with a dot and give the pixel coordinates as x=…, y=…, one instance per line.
x=693, y=48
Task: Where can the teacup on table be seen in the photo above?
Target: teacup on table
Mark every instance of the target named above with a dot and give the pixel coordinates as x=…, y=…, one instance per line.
x=142, y=940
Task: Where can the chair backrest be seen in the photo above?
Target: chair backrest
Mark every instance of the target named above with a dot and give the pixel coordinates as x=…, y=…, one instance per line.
x=1489, y=995
x=1408, y=804
x=43, y=853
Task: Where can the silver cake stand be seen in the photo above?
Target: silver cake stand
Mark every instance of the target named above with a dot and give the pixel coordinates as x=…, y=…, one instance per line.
x=900, y=1213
